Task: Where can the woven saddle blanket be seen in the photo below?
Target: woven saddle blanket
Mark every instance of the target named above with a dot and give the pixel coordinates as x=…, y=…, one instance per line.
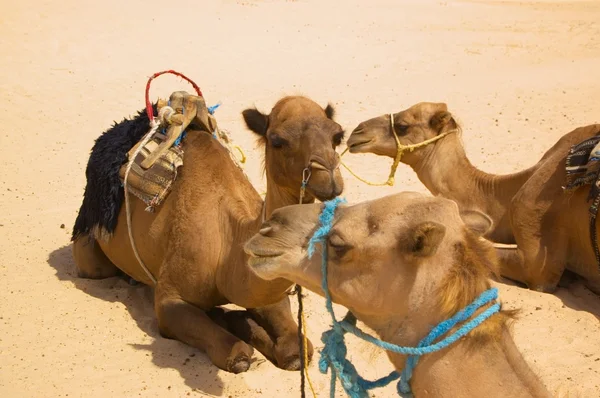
x=583, y=166
x=154, y=170
x=153, y=185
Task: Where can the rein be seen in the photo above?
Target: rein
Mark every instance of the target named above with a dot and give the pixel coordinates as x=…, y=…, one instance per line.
x=400, y=150
x=302, y=339
x=333, y=355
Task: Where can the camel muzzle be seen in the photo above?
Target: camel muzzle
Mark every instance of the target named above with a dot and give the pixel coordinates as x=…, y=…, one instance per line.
x=326, y=180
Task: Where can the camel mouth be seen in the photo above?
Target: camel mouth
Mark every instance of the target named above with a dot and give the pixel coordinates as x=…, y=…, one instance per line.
x=258, y=262
x=325, y=198
x=354, y=146
x=260, y=252
x=325, y=195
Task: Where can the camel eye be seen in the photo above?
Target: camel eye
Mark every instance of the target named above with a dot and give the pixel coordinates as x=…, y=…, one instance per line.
x=277, y=141
x=337, y=139
x=401, y=128
x=338, y=245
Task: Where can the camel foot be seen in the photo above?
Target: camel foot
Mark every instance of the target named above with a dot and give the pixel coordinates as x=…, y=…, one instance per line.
x=239, y=364
x=293, y=364
x=239, y=358
x=287, y=352
x=189, y=324
x=241, y=324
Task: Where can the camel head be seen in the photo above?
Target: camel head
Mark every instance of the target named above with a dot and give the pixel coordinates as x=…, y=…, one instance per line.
x=395, y=257
x=299, y=133
x=414, y=125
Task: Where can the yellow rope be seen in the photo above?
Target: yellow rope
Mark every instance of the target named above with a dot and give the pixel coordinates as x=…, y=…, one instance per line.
x=400, y=152
x=241, y=151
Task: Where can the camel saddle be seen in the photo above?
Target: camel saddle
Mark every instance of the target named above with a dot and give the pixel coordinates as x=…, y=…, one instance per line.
x=583, y=168
x=154, y=170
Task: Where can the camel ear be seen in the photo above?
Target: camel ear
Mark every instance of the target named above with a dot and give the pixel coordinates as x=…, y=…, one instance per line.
x=329, y=111
x=256, y=121
x=425, y=238
x=477, y=222
x=442, y=120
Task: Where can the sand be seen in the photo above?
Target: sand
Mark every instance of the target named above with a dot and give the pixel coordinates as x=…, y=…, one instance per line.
x=517, y=74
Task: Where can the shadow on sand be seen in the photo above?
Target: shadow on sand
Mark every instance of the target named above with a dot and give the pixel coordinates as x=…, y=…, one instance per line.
x=193, y=365
x=572, y=292
x=577, y=296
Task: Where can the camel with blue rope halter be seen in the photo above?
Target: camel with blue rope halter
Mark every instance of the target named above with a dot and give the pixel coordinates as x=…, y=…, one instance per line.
x=413, y=269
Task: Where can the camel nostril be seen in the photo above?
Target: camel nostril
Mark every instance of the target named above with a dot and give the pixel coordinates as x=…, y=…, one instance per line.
x=358, y=130
x=265, y=231
x=318, y=166
x=323, y=163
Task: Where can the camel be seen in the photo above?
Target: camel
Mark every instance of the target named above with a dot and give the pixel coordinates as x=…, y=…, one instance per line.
x=429, y=260
x=528, y=208
x=193, y=242
x=443, y=166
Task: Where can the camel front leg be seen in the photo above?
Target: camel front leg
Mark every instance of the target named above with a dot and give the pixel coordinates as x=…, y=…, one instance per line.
x=278, y=321
x=543, y=258
x=180, y=320
x=242, y=324
x=512, y=264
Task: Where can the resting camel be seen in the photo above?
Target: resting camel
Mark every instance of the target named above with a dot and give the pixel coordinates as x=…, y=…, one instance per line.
x=528, y=208
x=428, y=259
x=443, y=166
x=193, y=243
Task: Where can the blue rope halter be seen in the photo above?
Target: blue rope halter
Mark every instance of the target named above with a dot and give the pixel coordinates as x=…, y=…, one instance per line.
x=334, y=352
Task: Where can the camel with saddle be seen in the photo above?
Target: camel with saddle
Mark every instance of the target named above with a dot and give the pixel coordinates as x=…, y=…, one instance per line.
x=188, y=231
x=544, y=209
x=403, y=264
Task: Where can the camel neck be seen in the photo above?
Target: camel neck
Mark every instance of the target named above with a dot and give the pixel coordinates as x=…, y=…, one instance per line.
x=477, y=369
x=279, y=197
x=446, y=171
x=472, y=367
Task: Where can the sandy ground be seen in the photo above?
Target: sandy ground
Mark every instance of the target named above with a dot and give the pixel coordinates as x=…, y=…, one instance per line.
x=517, y=74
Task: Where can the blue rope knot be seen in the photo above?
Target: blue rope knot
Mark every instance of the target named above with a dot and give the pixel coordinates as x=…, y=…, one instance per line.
x=333, y=355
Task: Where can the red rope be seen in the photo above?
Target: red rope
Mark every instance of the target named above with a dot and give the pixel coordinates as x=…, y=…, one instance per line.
x=149, y=110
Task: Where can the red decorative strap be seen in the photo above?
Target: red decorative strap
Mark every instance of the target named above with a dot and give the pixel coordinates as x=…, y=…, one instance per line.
x=149, y=110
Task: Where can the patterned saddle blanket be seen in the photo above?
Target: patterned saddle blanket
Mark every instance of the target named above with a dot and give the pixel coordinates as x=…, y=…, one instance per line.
x=583, y=168
x=583, y=165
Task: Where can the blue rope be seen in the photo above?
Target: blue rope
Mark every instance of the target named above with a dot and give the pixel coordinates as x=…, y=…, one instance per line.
x=333, y=355
x=212, y=109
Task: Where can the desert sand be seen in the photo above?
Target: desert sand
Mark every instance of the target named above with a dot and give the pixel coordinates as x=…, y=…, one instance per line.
x=517, y=75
